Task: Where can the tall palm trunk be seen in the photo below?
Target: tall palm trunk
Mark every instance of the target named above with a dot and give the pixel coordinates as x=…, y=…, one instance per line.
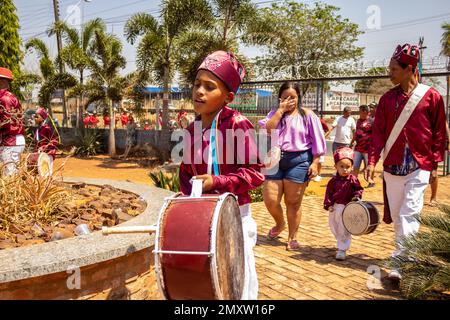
x=80, y=105
x=112, y=137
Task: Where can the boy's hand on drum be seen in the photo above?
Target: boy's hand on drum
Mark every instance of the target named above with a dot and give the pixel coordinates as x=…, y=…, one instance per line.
x=207, y=181
x=331, y=209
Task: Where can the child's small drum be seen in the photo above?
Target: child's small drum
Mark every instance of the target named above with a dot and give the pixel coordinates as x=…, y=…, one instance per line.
x=360, y=217
x=40, y=162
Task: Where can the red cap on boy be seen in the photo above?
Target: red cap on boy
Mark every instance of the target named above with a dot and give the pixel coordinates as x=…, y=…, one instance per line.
x=226, y=67
x=343, y=153
x=42, y=112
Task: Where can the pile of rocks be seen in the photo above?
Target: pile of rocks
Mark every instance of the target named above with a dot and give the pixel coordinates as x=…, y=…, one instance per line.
x=90, y=207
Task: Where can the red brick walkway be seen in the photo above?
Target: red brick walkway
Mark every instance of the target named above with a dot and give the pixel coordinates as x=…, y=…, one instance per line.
x=312, y=272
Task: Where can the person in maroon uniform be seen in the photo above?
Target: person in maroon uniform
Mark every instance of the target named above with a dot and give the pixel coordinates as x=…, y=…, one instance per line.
x=341, y=189
x=93, y=120
x=46, y=136
x=86, y=120
x=106, y=120
x=413, y=141
x=12, y=129
x=362, y=139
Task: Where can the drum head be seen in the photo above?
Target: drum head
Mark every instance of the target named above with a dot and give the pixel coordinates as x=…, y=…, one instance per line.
x=355, y=218
x=44, y=165
x=230, y=250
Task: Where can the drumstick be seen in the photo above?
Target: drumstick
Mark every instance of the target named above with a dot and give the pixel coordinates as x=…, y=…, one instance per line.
x=131, y=229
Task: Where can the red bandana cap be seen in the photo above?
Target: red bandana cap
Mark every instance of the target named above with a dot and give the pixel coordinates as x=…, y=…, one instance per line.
x=407, y=54
x=226, y=67
x=6, y=74
x=343, y=153
x=42, y=112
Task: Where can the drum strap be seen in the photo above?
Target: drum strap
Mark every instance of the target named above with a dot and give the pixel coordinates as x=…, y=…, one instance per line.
x=416, y=96
x=213, y=163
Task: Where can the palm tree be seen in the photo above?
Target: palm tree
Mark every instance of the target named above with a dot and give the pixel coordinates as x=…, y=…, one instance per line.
x=230, y=23
x=76, y=52
x=157, y=48
x=51, y=78
x=105, y=61
x=445, y=40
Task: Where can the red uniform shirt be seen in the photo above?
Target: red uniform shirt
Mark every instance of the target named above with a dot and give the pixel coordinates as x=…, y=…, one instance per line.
x=363, y=135
x=238, y=177
x=324, y=125
x=46, y=140
x=124, y=119
x=93, y=121
x=342, y=190
x=86, y=121
x=106, y=120
x=11, y=118
x=424, y=132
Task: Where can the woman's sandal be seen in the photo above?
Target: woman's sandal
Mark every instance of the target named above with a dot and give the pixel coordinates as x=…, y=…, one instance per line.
x=273, y=234
x=292, y=245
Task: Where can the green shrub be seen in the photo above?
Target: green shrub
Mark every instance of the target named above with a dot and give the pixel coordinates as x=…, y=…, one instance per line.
x=88, y=142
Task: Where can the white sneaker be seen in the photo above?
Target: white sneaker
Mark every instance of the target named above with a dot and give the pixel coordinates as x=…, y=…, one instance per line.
x=340, y=255
x=317, y=179
x=395, y=275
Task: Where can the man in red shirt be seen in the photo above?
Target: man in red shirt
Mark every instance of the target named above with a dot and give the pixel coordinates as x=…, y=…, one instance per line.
x=86, y=120
x=414, y=148
x=362, y=137
x=106, y=120
x=12, y=130
x=93, y=120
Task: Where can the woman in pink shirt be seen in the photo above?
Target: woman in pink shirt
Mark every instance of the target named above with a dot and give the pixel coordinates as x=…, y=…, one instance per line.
x=302, y=142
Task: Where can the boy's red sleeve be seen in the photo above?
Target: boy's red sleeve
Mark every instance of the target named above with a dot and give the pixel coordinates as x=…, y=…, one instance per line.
x=328, y=201
x=185, y=177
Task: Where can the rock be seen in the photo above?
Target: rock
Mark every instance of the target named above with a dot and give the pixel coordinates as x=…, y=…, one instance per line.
x=28, y=236
x=37, y=231
x=97, y=205
x=20, y=238
x=60, y=233
x=78, y=185
x=7, y=244
x=32, y=242
x=109, y=223
x=123, y=216
x=87, y=216
x=84, y=192
x=80, y=221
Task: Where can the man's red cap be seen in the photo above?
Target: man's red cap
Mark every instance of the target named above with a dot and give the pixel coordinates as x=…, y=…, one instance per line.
x=6, y=74
x=407, y=54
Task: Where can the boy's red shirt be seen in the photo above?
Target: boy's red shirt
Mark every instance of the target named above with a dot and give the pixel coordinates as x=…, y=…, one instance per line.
x=237, y=177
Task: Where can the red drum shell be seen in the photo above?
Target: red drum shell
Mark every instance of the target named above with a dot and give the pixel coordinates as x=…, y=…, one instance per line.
x=187, y=225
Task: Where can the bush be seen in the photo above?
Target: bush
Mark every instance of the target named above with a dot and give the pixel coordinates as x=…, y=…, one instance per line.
x=257, y=194
x=425, y=265
x=88, y=142
x=166, y=181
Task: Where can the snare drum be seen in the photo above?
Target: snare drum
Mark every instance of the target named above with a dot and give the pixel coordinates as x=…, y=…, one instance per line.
x=360, y=217
x=199, y=248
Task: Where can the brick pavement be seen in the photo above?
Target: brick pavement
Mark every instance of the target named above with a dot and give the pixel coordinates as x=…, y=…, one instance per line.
x=312, y=272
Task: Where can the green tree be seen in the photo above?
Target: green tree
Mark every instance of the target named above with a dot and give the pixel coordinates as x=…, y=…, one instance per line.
x=445, y=40
x=75, y=54
x=304, y=38
x=50, y=77
x=373, y=86
x=105, y=62
x=425, y=264
x=10, y=52
x=230, y=22
x=157, y=48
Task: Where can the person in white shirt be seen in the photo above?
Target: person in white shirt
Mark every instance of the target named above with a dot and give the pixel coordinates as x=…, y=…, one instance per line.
x=345, y=126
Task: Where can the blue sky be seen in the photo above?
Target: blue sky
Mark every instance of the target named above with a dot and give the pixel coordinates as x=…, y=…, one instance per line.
x=401, y=21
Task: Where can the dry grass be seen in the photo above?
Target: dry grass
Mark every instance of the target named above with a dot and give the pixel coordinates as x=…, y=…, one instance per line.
x=27, y=199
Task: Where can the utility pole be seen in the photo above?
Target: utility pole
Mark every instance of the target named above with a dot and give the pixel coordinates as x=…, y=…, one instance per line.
x=61, y=64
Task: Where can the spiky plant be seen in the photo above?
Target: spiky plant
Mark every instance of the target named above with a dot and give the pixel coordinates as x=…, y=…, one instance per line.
x=164, y=181
x=425, y=266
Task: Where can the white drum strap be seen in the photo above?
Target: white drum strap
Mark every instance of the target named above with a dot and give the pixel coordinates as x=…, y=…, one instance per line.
x=416, y=96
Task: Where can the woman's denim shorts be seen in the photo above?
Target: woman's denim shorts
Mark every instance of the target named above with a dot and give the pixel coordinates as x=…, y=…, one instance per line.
x=293, y=166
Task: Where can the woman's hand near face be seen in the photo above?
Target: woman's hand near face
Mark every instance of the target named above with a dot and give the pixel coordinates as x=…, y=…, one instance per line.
x=287, y=104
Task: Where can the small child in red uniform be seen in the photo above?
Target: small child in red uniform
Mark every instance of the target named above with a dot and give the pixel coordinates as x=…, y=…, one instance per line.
x=341, y=189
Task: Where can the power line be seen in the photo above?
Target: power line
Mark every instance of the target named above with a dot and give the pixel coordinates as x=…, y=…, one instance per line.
x=408, y=23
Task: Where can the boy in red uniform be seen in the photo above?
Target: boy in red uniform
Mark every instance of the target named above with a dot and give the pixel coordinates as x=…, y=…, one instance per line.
x=217, y=81
x=12, y=130
x=46, y=137
x=124, y=119
x=341, y=189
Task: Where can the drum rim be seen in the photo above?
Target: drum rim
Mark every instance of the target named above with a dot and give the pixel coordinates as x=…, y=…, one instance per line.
x=41, y=156
x=159, y=276
x=368, y=218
